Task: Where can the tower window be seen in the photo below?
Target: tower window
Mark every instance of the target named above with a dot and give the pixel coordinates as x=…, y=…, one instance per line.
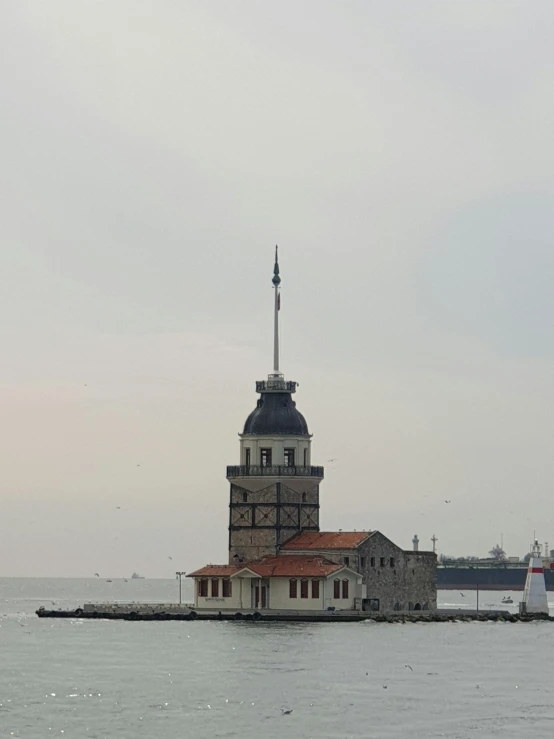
x=383, y=561
x=265, y=457
x=245, y=497
x=372, y=561
x=292, y=588
x=305, y=457
x=347, y=561
x=289, y=457
x=303, y=588
x=391, y=562
x=247, y=456
x=304, y=497
x=362, y=562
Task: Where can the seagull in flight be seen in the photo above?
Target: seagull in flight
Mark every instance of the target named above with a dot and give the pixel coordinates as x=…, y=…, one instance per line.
x=96, y=574
x=286, y=711
x=448, y=501
x=409, y=667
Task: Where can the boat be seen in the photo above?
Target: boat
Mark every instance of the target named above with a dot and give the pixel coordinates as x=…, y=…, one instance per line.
x=507, y=599
x=487, y=575
x=136, y=576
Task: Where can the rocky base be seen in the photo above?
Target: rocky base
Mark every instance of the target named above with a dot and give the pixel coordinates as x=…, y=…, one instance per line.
x=323, y=617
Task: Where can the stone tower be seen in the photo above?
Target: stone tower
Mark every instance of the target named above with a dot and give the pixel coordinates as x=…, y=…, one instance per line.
x=275, y=488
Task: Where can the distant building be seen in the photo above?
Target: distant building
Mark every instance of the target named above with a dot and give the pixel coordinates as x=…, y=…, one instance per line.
x=278, y=558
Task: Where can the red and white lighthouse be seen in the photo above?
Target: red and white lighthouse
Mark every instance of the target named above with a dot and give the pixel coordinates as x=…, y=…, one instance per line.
x=534, y=595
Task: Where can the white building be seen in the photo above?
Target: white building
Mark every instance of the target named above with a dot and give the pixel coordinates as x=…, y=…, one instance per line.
x=289, y=582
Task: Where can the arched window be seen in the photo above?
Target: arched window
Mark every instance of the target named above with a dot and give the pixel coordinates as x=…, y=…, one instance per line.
x=345, y=588
x=410, y=606
x=336, y=589
x=292, y=589
x=303, y=588
x=245, y=497
x=417, y=607
x=397, y=606
x=304, y=497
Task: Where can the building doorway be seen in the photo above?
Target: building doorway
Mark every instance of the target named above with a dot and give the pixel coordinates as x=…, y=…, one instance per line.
x=260, y=596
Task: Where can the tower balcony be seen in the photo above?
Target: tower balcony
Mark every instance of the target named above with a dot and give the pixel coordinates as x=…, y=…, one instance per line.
x=241, y=470
x=275, y=384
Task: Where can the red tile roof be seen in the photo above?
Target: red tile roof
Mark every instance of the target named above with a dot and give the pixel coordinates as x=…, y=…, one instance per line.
x=215, y=571
x=326, y=540
x=293, y=566
x=289, y=565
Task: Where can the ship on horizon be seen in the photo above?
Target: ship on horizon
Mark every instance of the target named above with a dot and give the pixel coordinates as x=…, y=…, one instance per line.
x=494, y=573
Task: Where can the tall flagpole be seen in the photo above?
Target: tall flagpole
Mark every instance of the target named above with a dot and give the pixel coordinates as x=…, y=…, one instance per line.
x=276, y=282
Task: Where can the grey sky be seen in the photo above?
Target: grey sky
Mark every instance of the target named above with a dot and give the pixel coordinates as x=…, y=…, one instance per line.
x=154, y=152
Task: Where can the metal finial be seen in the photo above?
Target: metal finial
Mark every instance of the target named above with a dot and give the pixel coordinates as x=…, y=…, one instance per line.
x=276, y=279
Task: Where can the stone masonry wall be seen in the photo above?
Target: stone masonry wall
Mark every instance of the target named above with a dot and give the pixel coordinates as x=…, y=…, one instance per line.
x=400, y=580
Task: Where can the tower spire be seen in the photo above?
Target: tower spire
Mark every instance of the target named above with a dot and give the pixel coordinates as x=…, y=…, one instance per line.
x=276, y=282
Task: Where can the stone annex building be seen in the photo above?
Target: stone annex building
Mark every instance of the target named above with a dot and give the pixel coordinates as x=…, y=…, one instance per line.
x=278, y=557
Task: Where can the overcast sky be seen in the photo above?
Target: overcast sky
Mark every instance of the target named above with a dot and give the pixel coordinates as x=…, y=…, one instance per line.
x=154, y=152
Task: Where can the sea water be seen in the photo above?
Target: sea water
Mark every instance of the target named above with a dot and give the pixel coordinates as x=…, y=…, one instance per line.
x=81, y=679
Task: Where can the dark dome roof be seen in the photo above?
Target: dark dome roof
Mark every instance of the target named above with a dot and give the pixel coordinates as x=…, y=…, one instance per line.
x=276, y=414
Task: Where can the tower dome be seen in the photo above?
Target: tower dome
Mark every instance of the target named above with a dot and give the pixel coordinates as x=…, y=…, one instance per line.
x=276, y=414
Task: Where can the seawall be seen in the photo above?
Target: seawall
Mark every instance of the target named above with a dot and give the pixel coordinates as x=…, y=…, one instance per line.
x=180, y=613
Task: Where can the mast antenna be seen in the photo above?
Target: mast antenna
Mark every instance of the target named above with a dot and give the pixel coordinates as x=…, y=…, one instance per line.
x=276, y=283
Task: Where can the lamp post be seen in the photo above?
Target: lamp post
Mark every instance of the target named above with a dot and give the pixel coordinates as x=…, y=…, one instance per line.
x=471, y=567
x=179, y=575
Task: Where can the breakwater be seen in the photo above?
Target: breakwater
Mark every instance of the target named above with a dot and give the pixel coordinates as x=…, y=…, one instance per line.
x=138, y=612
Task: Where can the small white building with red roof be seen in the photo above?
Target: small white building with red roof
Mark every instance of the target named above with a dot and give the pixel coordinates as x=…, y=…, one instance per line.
x=292, y=582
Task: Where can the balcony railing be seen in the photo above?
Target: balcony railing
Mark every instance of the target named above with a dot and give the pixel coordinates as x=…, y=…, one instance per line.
x=279, y=470
x=276, y=385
